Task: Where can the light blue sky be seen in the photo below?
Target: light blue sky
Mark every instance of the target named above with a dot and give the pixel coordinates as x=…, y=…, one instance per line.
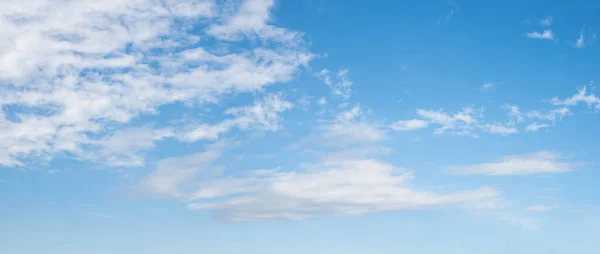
x=313, y=126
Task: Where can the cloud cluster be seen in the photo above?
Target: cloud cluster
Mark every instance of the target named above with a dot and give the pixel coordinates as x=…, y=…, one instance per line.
x=546, y=34
x=582, y=96
x=468, y=121
x=72, y=70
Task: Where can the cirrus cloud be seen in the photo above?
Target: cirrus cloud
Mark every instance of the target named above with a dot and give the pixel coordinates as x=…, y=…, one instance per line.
x=543, y=162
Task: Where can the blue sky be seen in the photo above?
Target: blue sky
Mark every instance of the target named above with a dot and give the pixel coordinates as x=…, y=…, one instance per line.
x=259, y=126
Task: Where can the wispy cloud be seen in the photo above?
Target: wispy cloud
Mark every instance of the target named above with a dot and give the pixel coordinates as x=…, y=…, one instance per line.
x=582, y=96
x=514, y=113
x=498, y=128
x=486, y=86
x=585, y=39
x=545, y=35
x=533, y=127
x=543, y=162
x=541, y=208
x=580, y=43
x=552, y=115
x=454, y=8
x=104, y=216
x=322, y=101
x=408, y=125
x=460, y=123
x=350, y=127
x=262, y=115
x=339, y=83
x=172, y=176
x=546, y=21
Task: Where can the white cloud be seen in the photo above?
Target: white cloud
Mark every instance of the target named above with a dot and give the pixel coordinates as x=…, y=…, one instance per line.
x=514, y=113
x=502, y=209
x=499, y=129
x=174, y=176
x=333, y=187
x=546, y=21
x=322, y=101
x=523, y=164
x=408, y=125
x=533, y=127
x=580, y=42
x=581, y=96
x=124, y=147
x=104, y=216
x=460, y=123
x=355, y=132
x=541, y=208
x=80, y=66
x=454, y=8
x=351, y=127
x=262, y=115
x=486, y=87
x=250, y=19
x=552, y=115
x=585, y=39
x=340, y=84
x=344, y=182
x=545, y=35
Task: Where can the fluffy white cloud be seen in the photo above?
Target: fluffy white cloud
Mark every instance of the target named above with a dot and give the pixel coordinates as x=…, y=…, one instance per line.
x=333, y=187
x=71, y=68
x=545, y=35
x=250, y=20
x=523, y=164
x=408, y=125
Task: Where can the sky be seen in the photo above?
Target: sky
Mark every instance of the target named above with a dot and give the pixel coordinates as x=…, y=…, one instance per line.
x=308, y=126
